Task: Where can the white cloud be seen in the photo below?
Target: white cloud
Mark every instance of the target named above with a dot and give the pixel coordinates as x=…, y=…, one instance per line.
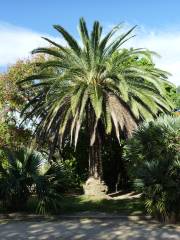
x=167, y=44
x=17, y=43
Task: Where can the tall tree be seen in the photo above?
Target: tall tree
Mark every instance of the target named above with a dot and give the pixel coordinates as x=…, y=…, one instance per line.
x=95, y=85
x=12, y=101
x=13, y=98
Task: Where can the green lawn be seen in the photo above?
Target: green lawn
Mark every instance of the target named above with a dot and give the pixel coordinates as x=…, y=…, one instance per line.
x=72, y=204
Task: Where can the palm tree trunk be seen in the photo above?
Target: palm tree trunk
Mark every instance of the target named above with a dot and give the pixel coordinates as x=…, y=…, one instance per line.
x=94, y=185
x=95, y=161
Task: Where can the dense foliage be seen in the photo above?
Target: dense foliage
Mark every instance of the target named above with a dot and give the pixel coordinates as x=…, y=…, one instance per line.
x=12, y=100
x=174, y=93
x=26, y=174
x=154, y=153
x=177, y=98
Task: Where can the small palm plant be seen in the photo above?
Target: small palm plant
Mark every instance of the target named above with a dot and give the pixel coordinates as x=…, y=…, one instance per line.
x=26, y=174
x=16, y=177
x=154, y=157
x=94, y=85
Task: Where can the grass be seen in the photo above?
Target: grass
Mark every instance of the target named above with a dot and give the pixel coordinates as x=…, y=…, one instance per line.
x=81, y=203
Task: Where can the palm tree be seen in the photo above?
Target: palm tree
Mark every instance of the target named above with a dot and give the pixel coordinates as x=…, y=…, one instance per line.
x=97, y=86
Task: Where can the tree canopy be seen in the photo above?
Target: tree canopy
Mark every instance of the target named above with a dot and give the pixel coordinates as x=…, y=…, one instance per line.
x=95, y=82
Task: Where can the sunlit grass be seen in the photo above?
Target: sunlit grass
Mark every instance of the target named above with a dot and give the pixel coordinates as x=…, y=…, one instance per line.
x=83, y=203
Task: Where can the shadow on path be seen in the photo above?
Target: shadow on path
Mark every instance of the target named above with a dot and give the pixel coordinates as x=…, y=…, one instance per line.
x=88, y=229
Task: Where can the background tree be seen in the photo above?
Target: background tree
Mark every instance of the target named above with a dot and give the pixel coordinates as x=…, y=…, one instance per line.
x=13, y=99
x=174, y=94
x=177, y=98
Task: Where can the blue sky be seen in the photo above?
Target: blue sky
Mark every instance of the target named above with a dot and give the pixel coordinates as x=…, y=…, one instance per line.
x=39, y=15
x=22, y=23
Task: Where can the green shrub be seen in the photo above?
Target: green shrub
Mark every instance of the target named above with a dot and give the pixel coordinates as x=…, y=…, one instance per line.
x=73, y=180
x=153, y=154
x=26, y=174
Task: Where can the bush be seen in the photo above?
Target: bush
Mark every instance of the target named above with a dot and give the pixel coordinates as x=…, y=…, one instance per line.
x=153, y=153
x=27, y=174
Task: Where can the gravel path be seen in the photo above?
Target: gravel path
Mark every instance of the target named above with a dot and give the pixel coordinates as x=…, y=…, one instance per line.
x=88, y=229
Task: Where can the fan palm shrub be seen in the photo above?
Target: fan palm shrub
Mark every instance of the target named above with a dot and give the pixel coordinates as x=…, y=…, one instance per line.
x=154, y=155
x=96, y=85
x=16, y=173
x=26, y=174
